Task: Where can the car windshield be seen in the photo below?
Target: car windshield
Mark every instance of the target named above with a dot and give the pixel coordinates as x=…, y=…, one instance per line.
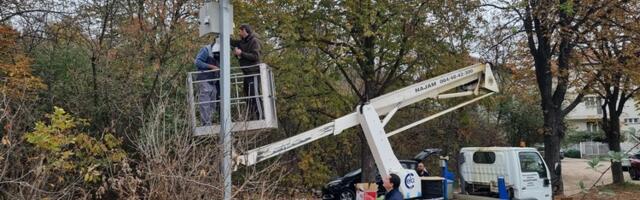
x=531, y=162
x=425, y=153
x=421, y=156
x=353, y=173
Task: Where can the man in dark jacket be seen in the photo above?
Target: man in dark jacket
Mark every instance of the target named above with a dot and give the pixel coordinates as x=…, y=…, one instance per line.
x=391, y=184
x=421, y=170
x=208, y=59
x=247, y=50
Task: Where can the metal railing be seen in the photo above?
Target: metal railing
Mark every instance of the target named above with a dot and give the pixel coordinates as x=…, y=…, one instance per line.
x=591, y=149
x=252, y=99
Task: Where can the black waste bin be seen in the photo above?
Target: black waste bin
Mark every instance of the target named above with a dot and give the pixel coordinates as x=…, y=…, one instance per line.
x=431, y=187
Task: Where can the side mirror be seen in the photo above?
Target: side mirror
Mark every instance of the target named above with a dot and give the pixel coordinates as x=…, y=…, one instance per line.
x=545, y=182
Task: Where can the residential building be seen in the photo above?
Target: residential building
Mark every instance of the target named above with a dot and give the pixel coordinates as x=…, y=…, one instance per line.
x=587, y=116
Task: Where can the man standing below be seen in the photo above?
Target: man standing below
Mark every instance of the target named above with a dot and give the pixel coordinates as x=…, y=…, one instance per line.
x=421, y=170
x=247, y=50
x=208, y=59
x=391, y=184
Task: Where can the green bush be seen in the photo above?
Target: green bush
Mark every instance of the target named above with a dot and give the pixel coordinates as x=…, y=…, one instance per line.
x=572, y=153
x=69, y=152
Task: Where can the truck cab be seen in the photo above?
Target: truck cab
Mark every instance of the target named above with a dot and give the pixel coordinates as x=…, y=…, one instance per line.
x=525, y=173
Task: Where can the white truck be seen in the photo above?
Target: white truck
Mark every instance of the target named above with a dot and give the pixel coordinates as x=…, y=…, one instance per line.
x=525, y=173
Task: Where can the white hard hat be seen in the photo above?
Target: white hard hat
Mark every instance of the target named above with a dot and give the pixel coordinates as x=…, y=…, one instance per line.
x=216, y=46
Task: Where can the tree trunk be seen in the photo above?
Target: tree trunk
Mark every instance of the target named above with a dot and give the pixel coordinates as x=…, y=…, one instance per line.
x=554, y=130
x=367, y=161
x=611, y=126
x=553, y=135
x=611, y=111
x=94, y=76
x=616, y=167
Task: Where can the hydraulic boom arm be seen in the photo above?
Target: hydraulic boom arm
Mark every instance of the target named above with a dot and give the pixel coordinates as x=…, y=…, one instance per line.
x=475, y=79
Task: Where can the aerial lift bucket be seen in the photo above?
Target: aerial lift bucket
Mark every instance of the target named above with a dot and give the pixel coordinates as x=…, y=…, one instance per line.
x=263, y=101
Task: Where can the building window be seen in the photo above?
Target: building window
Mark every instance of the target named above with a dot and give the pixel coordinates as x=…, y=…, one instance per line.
x=592, y=102
x=592, y=127
x=631, y=120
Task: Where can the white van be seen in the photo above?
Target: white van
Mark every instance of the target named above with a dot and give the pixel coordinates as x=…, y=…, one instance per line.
x=525, y=173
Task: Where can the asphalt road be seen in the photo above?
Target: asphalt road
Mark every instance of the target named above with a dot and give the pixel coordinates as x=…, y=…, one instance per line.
x=576, y=170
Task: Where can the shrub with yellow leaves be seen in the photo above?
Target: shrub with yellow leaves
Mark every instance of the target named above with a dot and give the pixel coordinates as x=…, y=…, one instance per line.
x=69, y=152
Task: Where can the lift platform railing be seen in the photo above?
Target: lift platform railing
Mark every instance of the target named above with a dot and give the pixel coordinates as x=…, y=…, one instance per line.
x=252, y=100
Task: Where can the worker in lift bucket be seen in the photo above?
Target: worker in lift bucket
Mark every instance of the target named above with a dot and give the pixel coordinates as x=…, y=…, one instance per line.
x=421, y=170
x=247, y=50
x=392, y=183
x=208, y=60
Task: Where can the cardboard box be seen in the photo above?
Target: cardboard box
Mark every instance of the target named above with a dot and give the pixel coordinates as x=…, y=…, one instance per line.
x=366, y=191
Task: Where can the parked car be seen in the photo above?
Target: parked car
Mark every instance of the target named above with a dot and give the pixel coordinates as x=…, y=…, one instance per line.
x=634, y=167
x=343, y=188
x=541, y=151
x=626, y=163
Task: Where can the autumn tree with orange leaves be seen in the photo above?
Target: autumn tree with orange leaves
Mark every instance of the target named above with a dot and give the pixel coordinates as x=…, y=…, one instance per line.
x=18, y=86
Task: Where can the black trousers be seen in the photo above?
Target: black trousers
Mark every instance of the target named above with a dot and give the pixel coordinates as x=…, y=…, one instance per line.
x=254, y=104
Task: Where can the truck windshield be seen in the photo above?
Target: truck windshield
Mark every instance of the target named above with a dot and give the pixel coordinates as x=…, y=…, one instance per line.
x=531, y=162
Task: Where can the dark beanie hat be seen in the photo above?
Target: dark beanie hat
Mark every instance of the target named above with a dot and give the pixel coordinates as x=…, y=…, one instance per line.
x=247, y=28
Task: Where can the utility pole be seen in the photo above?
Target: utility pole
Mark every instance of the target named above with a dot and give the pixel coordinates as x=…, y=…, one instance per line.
x=223, y=11
x=225, y=117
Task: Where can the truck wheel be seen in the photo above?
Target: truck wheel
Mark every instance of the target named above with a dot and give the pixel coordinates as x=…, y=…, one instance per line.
x=510, y=193
x=347, y=194
x=468, y=189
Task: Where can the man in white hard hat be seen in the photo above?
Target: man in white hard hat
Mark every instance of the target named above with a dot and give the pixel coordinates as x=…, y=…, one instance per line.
x=208, y=59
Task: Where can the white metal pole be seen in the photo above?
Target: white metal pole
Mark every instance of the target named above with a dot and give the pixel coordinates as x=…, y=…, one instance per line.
x=225, y=117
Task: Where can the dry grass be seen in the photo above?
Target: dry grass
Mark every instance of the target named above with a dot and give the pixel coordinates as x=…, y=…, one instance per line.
x=177, y=165
x=625, y=191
